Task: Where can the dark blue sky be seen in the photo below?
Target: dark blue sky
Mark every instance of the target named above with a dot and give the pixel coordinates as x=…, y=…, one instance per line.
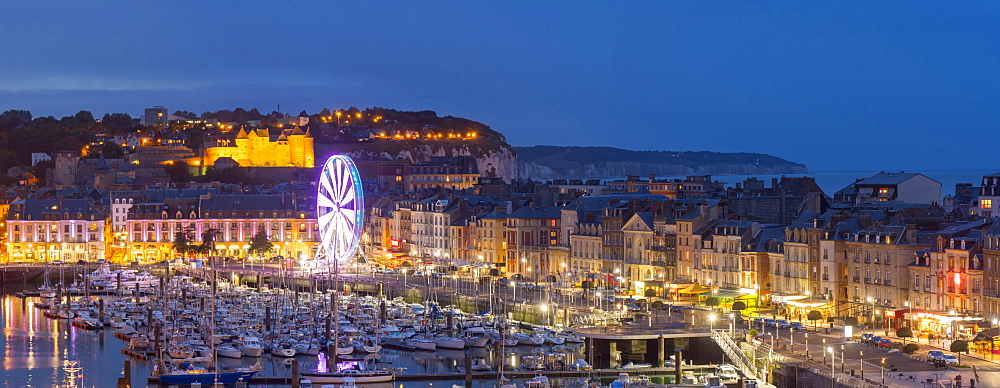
x=892, y=85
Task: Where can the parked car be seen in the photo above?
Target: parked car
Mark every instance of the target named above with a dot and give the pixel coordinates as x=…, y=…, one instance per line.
x=58, y=262
x=935, y=355
x=781, y=323
x=866, y=338
x=883, y=343
x=797, y=326
x=951, y=359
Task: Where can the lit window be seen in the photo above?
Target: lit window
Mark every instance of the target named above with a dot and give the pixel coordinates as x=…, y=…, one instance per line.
x=986, y=203
x=883, y=191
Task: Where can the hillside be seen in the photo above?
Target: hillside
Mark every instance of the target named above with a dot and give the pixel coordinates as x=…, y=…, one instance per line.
x=380, y=134
x=544, y=162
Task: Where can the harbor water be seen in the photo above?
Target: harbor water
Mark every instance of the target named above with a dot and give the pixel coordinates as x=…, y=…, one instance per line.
x=34, y=350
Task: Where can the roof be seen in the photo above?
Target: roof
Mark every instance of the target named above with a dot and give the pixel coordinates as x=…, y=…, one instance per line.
x=534, y=212
x=247, y=202
x=890, y=178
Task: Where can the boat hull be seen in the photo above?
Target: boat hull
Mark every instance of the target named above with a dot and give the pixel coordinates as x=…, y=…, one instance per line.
x=318, y=377
x=206, y=378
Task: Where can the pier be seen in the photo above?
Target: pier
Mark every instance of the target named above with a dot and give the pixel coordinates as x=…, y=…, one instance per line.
x=493, y=375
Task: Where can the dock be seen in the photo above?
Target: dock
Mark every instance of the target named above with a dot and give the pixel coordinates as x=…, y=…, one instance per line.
x=137, y=355
x=492, y=375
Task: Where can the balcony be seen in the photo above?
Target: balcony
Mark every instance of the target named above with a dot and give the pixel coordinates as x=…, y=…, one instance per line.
x=826, y=277
x=877, y=281
x=856, y=260
x=888, y=282
x=975, y=290
x=857, y=279
x=868, y=280
x=868, y=261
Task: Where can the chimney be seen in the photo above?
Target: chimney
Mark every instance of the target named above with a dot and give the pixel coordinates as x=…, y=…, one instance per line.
x=652, y=177
x=911, y=233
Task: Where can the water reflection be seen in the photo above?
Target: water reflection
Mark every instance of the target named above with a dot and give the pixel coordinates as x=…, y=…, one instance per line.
x=34, y=350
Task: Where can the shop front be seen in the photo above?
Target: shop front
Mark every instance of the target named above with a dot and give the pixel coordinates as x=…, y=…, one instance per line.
x=942, y=325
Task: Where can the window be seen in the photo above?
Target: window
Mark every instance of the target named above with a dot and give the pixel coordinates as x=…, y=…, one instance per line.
x=986, y=203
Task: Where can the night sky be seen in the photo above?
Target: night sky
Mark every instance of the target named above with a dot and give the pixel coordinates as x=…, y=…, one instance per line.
x=847, y=86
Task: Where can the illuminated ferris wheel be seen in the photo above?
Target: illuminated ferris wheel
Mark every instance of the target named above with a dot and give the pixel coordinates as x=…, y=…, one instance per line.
x=339, y=209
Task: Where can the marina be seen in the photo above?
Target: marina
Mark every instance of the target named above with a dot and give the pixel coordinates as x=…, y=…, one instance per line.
x=281, y=336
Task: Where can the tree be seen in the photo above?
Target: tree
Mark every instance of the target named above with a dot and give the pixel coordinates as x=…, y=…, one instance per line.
x=712, y=301
x=814, y=316
x=208, y=237
x=738, y=307
x=116, y=122
x=182, y=242
x=260, y=244
x=904, y=333
x=84, y=117
x=753, y=332
x=179, y=172
x=959, y=346
x=650, y=293
x=910, y=348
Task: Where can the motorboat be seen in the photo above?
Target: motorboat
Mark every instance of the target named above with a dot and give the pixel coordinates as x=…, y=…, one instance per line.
x=180, y=351
x=528, y=339
x=251, y=347
x=228, y=351
x=422, y=343
x=190, y=374
x=478, y=365
x=283, y=349
x=636, y=365
x=450, y=343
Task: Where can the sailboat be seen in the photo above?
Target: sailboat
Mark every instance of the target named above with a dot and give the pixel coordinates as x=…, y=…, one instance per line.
x=351, y=371
x=187, y=373
x=46, y=291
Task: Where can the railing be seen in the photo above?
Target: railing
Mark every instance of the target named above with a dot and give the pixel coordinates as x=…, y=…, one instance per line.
x=735, y=354
x=868, y=280
x=826, y=277
x=888, y=282
x=857, y=279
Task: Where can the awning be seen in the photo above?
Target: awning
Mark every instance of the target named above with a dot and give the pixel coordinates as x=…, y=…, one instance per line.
x=786, y=298
x=724, y=294
x=695, y=289
x=814, y=305
x=987, y=335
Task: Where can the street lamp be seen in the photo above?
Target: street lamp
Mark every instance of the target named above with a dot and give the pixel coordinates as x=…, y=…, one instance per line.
x=824, y=353
x=807, y=344
x=883, y=371
x=862, y=355
x=833, y=369
x=841, y=358
x=872, y=320
x=711, y=322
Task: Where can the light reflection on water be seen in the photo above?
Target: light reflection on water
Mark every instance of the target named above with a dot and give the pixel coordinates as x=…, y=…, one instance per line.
x=33, y=350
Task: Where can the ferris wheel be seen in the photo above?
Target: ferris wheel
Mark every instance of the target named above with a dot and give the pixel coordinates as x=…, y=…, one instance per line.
x=339, y=210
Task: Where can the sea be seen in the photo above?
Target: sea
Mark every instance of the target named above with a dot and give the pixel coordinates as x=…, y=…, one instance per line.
x=833, y=181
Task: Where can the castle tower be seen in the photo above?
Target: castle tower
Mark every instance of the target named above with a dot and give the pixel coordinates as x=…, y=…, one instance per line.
x=242, y=145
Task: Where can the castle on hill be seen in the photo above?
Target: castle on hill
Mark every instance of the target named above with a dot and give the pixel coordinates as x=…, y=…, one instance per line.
x=259, y=148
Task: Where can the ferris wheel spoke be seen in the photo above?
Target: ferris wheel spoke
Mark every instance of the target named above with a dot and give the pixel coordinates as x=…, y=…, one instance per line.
x=348, y=197
x=324, y=201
